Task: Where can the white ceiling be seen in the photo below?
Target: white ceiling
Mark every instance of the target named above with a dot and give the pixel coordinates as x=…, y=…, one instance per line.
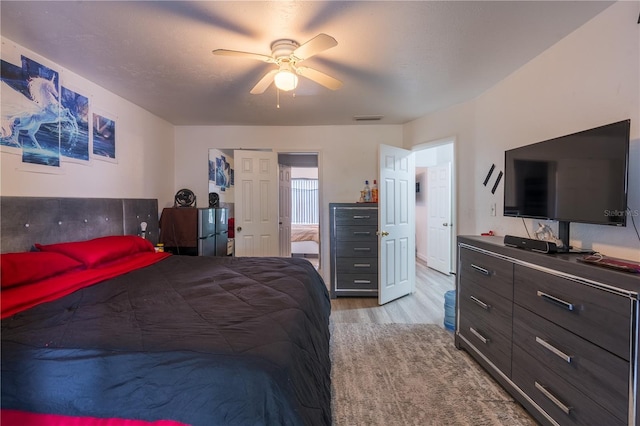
x=400, y=60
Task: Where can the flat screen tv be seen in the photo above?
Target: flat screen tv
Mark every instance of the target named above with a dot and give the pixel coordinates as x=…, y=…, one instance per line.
x=581, y=177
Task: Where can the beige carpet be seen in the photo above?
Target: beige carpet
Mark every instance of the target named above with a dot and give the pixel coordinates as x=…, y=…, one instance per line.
x=412, y=374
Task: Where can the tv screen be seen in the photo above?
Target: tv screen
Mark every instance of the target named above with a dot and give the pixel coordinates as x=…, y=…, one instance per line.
x=581, y=177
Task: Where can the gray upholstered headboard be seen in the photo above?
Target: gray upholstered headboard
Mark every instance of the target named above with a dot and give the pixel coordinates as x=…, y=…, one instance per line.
x=25, y=221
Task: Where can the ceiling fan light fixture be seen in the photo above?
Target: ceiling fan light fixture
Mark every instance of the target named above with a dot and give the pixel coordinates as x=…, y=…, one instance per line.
x=286, y=80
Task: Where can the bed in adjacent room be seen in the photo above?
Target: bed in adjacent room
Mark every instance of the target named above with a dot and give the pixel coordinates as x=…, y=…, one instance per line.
x=107, y=328
x=305, y=239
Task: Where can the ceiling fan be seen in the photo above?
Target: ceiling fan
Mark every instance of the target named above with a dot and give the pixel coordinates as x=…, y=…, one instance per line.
x=286, y=54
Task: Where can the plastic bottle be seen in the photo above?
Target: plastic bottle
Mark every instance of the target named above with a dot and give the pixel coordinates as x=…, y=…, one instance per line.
x=374, y=192
x=367, y=192
x=450, y=310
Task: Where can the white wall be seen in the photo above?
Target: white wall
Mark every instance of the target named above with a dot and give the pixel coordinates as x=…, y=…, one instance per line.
x=347, y=155
x=144, y=151
x=590, y=78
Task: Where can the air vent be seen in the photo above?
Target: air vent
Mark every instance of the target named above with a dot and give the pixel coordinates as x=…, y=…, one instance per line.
x=367, y=117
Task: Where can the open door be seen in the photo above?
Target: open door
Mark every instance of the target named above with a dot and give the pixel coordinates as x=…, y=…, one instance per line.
x=256, y=203
x=439, y=221
x=396, y=223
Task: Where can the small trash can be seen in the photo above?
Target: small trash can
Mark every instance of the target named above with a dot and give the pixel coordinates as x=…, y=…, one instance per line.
x=450, y=310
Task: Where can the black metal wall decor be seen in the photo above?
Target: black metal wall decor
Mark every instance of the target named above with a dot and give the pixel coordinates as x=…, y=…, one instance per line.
x=486, y=180
x=495, y=185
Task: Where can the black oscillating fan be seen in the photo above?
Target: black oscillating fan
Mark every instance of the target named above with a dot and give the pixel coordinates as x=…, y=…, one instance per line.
x=185, y=198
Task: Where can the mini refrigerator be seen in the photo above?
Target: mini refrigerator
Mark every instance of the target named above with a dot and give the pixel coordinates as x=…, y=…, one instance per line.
x=212, y=231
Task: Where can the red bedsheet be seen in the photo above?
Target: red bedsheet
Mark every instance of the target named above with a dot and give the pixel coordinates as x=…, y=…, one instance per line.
x=20, y=298
x=22, y=418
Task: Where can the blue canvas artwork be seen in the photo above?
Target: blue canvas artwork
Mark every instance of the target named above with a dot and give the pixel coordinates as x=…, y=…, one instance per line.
x=227, y=174
x=221, y=179
x=32, y=117
x=104, y=136
x=212, y=171
x=78, y=106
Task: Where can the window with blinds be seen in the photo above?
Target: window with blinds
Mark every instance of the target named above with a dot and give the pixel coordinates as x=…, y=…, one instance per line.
x=304, y=201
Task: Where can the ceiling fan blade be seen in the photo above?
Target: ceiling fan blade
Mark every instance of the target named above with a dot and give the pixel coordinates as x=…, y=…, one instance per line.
x=320, y=78
x=256, y=56
x=264, y=83
x=318, y=44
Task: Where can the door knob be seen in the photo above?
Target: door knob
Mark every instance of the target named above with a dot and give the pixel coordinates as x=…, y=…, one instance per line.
x=445, y=224
x=383, y=233
x=239, y=228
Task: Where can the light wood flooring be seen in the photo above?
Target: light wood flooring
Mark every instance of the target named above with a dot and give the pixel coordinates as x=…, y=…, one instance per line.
x=425, y=306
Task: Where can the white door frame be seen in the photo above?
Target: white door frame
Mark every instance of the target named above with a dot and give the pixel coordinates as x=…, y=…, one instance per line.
x=454, y=189
x=321, y=210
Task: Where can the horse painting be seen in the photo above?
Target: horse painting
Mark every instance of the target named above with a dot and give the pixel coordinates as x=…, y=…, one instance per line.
x=43, y=108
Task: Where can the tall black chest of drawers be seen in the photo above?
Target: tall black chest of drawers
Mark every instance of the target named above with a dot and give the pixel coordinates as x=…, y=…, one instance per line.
x=354, y=249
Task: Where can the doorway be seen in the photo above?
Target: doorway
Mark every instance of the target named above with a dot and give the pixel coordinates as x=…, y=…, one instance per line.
x=300, y=206
x=435, y=205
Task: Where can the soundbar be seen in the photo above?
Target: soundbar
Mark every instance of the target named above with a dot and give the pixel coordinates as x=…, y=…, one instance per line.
x=530, y=244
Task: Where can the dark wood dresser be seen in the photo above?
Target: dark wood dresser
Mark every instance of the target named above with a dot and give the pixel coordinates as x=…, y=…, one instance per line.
x=354, y=249
x=560, y=335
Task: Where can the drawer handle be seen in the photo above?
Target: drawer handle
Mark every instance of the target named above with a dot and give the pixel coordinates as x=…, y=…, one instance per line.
x=480, y=303
x=556, y=301
x=548, y=346
x=362, y=281
x=361, y=232
x=362, y=217
x=362, y=249
x=362, y=265
x=479, y=336
x=481, y=269
x=553, y=398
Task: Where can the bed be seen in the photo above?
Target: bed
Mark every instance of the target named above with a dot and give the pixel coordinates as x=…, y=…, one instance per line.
x=125, y=336
x=305, y=239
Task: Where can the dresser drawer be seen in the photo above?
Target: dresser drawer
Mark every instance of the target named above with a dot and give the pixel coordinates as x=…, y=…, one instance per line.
x=356, y=233
x=357, y=249
x=488, y=271
x=357, y=265
x=480, y=299
x=356, y=216
x=564, y=402
x=490, y=335
x=600, y=375
x=357, y=282
x=597, y=315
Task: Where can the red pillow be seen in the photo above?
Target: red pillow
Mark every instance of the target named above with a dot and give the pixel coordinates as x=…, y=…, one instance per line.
x=100, y=250
x=24, y=268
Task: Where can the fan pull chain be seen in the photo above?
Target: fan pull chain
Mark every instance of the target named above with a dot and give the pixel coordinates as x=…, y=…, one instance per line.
x=277, y=98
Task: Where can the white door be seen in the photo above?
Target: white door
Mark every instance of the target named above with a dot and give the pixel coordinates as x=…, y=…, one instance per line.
x=256, y=203
x=439, y=224
x=396, y=223
x=284, y=185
